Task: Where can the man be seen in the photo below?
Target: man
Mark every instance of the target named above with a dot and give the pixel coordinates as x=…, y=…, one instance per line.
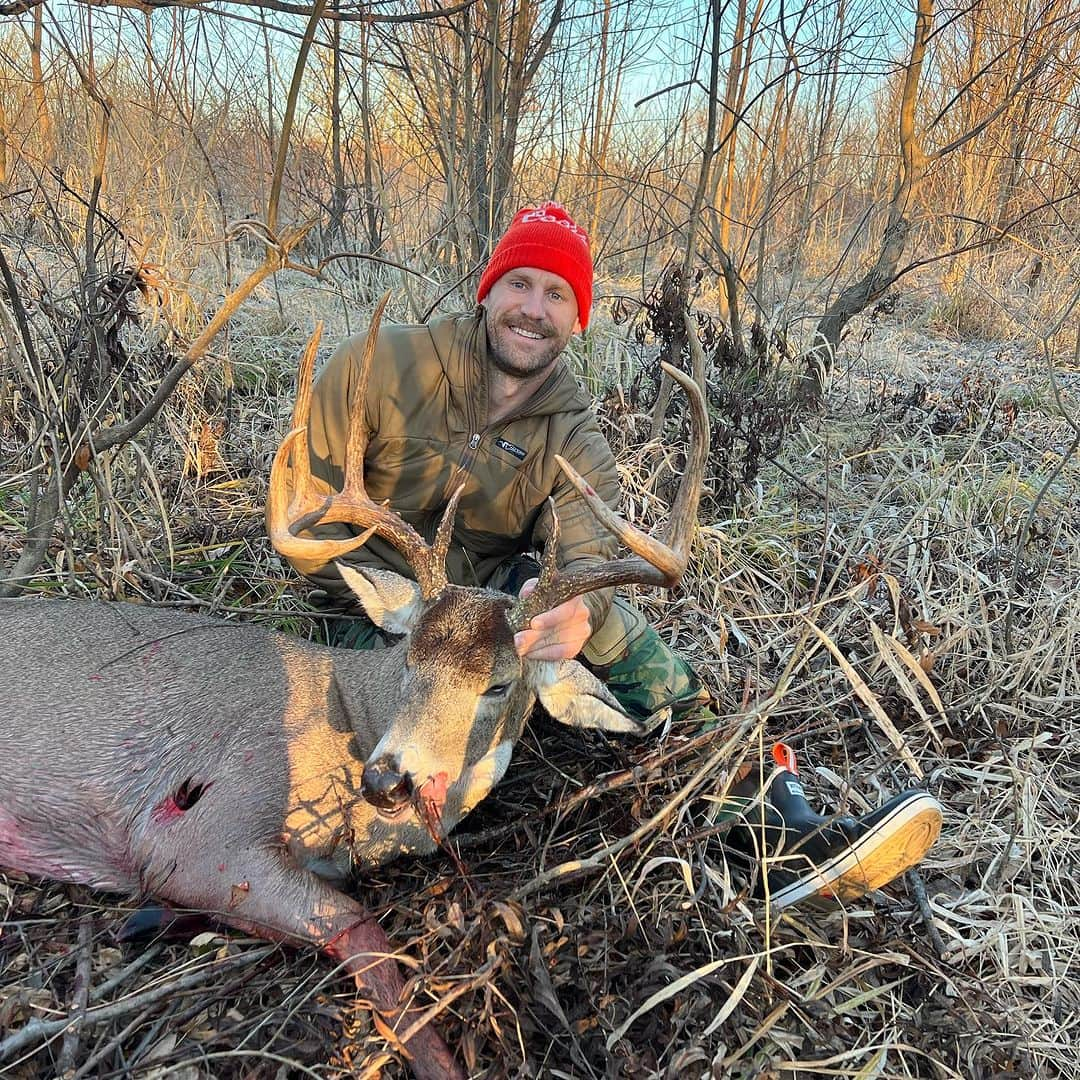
x=485, y=398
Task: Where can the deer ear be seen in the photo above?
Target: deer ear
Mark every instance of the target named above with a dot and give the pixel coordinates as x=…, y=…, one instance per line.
x=391, y=601
x=576, y=697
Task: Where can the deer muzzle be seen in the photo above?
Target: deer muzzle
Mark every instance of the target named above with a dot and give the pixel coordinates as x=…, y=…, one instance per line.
x=384, y=786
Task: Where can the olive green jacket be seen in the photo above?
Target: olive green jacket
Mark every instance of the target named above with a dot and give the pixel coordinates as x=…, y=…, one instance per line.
x=426, y=409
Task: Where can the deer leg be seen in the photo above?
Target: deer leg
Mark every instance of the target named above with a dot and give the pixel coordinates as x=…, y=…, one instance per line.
x=259, y=891
x=429, y=1056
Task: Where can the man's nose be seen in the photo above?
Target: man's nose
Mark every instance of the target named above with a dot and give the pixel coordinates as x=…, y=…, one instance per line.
x=532, y=304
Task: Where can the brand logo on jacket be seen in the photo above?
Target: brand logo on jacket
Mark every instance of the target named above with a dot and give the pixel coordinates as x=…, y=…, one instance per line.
x=510, y=448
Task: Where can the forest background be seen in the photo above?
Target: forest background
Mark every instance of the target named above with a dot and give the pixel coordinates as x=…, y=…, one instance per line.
x=872, y=213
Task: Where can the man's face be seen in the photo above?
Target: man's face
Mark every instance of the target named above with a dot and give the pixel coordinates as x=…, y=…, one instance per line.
x=529, y=315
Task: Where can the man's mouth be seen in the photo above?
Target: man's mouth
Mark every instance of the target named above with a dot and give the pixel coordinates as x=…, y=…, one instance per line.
x=529, y=335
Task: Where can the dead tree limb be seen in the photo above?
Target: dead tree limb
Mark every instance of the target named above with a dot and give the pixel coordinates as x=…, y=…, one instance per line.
x=709, y=150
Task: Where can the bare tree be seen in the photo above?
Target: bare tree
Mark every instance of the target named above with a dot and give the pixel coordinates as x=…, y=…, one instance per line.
x=69, y=418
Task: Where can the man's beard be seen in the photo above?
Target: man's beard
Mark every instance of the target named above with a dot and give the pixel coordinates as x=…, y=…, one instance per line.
x=513, y=357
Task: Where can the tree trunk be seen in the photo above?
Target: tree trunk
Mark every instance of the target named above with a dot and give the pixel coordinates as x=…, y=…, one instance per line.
x=335, y=227
x=37, y=87
x=663, y=397
x=371, y=205
x=912, y=169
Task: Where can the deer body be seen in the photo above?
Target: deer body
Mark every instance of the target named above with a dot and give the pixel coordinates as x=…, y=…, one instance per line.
x=162, y=740
x=220, y=766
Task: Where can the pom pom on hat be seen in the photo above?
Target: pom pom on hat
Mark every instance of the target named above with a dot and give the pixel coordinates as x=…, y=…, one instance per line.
x=547, y=238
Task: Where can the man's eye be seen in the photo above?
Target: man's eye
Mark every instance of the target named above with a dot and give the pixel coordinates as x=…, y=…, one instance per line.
x=499, y=690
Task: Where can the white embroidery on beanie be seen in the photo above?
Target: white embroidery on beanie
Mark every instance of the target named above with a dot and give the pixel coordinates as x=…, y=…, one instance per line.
x=541, y=213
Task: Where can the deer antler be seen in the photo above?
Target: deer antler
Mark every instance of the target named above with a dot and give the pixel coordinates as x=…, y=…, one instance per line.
x=287, y=515
x=654, y=562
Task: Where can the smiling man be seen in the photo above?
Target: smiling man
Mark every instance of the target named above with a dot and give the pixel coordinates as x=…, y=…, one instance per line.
x=484, y=399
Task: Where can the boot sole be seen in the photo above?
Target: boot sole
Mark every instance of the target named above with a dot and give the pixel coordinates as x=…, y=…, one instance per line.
x=894, y=844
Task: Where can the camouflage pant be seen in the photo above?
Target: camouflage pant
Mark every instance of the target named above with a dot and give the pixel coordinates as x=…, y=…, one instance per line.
x=642, y=671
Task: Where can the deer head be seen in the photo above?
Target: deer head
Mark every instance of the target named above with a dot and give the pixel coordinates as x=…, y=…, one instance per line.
x=456, y=695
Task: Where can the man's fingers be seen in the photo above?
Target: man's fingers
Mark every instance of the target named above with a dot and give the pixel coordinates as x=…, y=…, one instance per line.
x=558, y=634
x=563, y=643
x=553, y=653
x=541, y=647
x=550, y=620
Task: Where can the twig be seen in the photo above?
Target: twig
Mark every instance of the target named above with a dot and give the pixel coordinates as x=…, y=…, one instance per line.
x=600, y=859
x=125, y=973
x=79, y=998
x=477, y=978
x=603, y=786
x=89, y=1066
x=798, y=479
x=918, y=890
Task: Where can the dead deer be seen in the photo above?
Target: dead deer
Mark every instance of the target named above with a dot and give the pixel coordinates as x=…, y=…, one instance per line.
x=238, y=771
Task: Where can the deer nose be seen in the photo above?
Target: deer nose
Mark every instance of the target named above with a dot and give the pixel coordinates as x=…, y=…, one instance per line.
x=383, y=786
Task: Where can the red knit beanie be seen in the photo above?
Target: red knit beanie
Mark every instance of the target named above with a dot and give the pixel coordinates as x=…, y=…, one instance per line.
x=547, y=238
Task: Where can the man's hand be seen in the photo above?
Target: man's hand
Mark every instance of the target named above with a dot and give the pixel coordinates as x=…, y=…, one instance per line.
x=558, y=634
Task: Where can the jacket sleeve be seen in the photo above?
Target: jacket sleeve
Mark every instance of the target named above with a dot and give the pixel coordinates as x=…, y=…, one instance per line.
x=328, y=431
x=582, y=539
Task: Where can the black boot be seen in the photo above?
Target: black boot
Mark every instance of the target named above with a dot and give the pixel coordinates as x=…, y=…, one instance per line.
x=803, y=854
x=159, y=922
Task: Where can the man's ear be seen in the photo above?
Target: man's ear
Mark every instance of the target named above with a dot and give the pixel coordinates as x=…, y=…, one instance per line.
x=576, y=697
x=391, y=601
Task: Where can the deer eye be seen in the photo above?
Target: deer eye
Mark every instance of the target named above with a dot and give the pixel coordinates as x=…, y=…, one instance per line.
x=498, y=690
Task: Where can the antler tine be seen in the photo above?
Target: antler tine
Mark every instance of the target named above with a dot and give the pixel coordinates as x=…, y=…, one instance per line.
x=309, y=506
x=654, y=562
x=548, y=568
x=302, y=406
x=306, y=502
x=356, y=444
x=353, y=504
x=442, y=538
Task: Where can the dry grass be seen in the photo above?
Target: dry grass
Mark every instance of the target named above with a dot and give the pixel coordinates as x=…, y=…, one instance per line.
x=902, y=546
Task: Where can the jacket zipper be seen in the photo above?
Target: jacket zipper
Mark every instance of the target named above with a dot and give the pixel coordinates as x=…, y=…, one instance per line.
x=469, y=453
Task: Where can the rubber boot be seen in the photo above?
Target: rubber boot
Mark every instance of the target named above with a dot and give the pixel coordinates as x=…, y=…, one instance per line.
x=804, y=854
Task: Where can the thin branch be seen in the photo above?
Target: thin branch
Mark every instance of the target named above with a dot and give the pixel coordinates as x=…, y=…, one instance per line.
x=79, y=998
x=290, y=114
x=362, y=14
x=994, y=113
x=601, y=860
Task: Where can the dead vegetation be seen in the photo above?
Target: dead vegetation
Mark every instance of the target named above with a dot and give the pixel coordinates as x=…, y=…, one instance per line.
x=589, y=925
